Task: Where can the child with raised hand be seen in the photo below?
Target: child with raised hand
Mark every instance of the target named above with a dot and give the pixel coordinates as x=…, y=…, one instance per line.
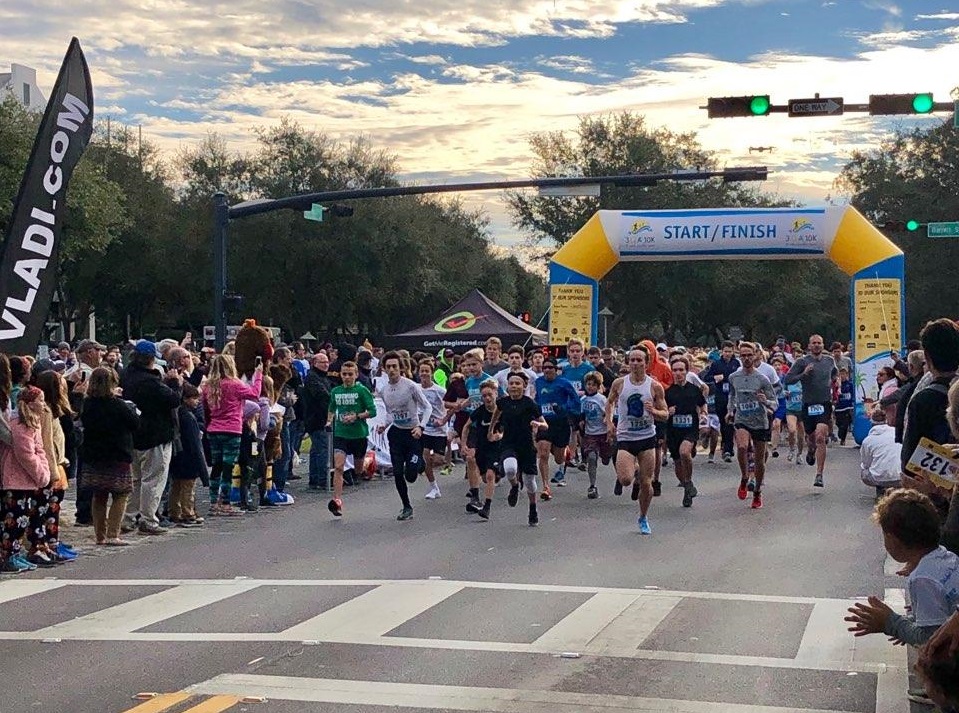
x=910, y=531
x=223, y=397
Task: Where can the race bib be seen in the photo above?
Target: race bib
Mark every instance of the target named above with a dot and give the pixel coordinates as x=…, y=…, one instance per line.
x=638, y=424
x=934, y=462
x=749, y=406
x=401, y=417
x=725, y=386
x=549, y=410
x=683, y=420
x=710, y=400
x=795, y=399
x=816, y=410
x=255, y=448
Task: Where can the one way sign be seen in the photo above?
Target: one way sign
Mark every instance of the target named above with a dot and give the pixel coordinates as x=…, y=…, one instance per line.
x=830, y=106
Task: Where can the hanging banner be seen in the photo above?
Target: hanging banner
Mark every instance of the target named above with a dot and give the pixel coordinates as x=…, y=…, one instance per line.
x=877, y=314
x=28, y=267
x=571, y=313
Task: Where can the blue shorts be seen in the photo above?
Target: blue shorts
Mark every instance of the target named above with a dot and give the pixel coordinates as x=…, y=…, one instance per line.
x=781, y=409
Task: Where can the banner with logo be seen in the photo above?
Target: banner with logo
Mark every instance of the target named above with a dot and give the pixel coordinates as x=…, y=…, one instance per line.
x=28, y=267
x=687, y=234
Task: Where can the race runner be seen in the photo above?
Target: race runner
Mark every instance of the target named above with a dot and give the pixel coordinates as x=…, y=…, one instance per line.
x=596, y=445
x=752, y=401
x=514, y=357
x=685, y=402
x=434, y=434
x=351, y=405
x=558, y=401
x=483, y=447
x=816, y=371
x=718, y=373
x=639, y=400
x=574, y=369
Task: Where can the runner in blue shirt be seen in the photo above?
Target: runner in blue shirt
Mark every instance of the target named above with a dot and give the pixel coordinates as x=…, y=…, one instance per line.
x=559, y=402
x=574, y=369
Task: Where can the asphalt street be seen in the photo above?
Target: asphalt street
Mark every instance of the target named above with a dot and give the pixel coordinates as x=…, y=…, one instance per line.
x=723, y=608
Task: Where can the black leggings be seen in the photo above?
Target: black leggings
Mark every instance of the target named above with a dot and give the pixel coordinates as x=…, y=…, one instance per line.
x=843, y=421
x=406, y=453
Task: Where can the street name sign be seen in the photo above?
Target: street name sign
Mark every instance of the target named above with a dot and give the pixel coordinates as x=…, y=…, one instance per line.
x=830, y=106
x=943, y=230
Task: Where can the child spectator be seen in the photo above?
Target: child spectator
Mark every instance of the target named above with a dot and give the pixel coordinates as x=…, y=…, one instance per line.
x=938, y=666
x=844, y=405
x=910, y=530
x=188, y=464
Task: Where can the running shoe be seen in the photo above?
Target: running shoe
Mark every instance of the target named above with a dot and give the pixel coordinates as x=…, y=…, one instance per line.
x=336, y=507
x=688, y=498
x=618, y=488
x=474, y=506
x=657, y=489
x=21, y=563
x=513, y=496
x=433, y=493
x=411, y=474
x=533, y=516
x=743, y=490
x=581, y=465
x=757, y=501
x=727, y=457
x=484, y=511
x=634, y=495
x=66, y=553
x=751, y=485
x=592, y=493
x=42, y=560
x=644, y=528
x=811, y=457
x=236, y=496
x=446, y=470
x=407, y=514
x=817, y=483
x=711, y=458
x=547, y=494
x=559, y=478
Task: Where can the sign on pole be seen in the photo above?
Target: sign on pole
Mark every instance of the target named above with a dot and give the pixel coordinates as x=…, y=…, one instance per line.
x=943, y=230
x=830, y=106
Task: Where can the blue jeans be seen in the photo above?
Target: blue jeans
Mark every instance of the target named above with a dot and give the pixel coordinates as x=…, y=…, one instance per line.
x=319, y=457
x=282, y=467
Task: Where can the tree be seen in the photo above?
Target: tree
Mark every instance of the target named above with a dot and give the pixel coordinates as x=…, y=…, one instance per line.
x=913, y=175
x=694, y=298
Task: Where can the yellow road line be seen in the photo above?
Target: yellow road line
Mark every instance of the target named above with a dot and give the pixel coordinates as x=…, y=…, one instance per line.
x=160, y=703
x=216, y=704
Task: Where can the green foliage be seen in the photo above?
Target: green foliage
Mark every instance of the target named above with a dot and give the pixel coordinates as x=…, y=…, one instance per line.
x=138, y=237
x=914, y=175
x=698, y=300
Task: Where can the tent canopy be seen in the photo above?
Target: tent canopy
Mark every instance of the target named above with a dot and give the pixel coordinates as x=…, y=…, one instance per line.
x=467, y=324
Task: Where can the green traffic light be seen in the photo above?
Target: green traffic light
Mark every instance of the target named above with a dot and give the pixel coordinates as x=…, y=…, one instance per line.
x=759, y=106
x=922, y=104
x=912, y=225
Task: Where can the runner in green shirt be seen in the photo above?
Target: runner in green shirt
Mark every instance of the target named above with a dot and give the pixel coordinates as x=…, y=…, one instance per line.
x=351, y=404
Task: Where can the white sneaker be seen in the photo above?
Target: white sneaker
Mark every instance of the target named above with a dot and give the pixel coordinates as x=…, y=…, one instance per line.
x=791, y=456
x=296, y=459
x=711, y=459
x=433, y=493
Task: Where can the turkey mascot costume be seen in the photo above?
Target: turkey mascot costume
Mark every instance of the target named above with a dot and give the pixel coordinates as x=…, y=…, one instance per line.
x=253, y=341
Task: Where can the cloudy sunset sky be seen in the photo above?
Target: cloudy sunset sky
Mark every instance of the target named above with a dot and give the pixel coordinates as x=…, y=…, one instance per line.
x=454, y=88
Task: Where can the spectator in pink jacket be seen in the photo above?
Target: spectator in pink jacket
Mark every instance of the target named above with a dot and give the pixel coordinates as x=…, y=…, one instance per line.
x=25, y=473
x=223, y=397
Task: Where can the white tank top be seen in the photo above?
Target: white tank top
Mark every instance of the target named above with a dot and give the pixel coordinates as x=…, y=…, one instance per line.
x=635, y=423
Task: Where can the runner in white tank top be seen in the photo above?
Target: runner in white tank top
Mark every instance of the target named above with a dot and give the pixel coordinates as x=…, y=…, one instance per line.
x=639, y=400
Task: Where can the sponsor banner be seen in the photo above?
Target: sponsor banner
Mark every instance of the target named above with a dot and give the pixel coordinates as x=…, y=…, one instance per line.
x=639, y=235
x=878, y=317
x=570, y=313
x=28, y=269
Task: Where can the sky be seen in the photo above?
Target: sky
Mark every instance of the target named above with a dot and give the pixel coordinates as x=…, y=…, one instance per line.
x=455, y=88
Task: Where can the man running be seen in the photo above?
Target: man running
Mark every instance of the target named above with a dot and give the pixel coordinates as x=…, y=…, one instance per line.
x=816, y=371
x=409, y=412
x=351, y=406
x=718, y=373
x=514, y=357
x=639, y=400
x=752, y=400
x=686, y=403
x=558, y=401
x=515, y=421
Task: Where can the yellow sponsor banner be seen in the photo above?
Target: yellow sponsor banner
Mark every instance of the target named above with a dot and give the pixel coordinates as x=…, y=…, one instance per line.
x=878, y=316
x=570, y=313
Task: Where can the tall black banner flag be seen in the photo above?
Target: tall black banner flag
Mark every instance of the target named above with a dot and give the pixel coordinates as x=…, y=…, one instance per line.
x=28, y=268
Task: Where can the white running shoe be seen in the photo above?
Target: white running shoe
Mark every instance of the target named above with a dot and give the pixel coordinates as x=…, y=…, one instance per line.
x=433, y=494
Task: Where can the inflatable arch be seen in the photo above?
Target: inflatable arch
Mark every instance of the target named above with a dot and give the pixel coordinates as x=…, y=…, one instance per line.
x=841, y=234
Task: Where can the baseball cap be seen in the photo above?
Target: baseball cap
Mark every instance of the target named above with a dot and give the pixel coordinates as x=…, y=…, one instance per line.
x=661, y=347
x=146, y=348
x=63, y=345
x=86, y=344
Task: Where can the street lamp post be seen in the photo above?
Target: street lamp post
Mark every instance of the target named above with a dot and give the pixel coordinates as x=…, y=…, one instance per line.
x=605, y=313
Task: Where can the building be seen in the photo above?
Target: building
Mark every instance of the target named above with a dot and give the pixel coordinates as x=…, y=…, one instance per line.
x=21, y=82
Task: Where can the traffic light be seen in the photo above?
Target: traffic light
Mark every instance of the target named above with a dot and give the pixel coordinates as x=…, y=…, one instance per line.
x=901, y=226
x=728, y=107
x=894, y=104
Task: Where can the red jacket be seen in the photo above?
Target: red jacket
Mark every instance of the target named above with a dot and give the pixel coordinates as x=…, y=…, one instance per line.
x=657, y=368
x=23, y=465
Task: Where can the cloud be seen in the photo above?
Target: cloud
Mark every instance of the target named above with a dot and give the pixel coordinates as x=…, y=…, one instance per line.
x=940, y=16
x=568, y=63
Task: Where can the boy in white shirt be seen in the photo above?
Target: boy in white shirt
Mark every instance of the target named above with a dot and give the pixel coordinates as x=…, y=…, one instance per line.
x=910, y=530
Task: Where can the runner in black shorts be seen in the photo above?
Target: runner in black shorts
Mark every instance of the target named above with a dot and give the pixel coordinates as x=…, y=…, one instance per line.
x=686, y=403
x=816, y=371
x=752, y=401
x=557, y=399
x=485, y=448
x=516, y=418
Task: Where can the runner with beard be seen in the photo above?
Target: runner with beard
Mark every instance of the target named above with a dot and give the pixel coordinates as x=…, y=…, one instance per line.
x=816, y=371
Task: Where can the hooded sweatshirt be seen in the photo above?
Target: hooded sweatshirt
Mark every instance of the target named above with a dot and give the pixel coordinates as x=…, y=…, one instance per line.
x=657, y=368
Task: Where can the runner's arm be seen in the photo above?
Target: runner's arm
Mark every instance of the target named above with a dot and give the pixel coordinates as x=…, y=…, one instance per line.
x=795, y=373
x=425, y=411
x=660, y=409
